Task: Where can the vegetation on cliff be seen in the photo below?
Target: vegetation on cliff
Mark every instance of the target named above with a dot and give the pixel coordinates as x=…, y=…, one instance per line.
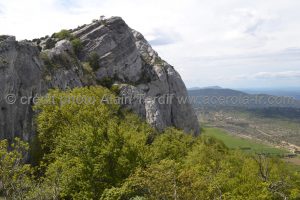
x=95, y=150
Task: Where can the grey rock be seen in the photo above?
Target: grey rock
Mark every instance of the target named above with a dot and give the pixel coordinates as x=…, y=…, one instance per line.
x=125, y=57
x=21, y=76
x=115, y=44
x=164, y=92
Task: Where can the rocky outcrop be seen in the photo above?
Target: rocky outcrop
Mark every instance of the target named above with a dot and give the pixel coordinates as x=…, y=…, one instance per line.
x=24, y=73
x=21, y=75
x=124, y=58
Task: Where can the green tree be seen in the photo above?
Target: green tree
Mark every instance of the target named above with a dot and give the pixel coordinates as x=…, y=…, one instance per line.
x=96, y=150
x=159, y=180
x=171, y=144
x=15, y=176
x=92, y=146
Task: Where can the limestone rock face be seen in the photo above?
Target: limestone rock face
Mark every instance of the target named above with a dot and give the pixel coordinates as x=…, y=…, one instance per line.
x=115, y=44
x=20, y=75
x=28, y=68
x=24, y=77
x=164, y=92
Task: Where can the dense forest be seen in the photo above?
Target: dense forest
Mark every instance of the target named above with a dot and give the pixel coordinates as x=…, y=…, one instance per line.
x=101, y=151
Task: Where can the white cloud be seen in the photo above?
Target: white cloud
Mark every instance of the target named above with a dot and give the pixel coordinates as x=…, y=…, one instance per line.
x=248, y=22
x=159, y=37
x=227, y=37
x=272, y=75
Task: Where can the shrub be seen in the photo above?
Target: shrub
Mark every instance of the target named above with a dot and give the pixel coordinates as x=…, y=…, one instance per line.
x=87, y=68
x=14, y=175
x=63, y=34
x=94, y=146
x=47, y=61
x=93, y=60
x=3, y=61
x=103, y=22
x=158, y=61
x=115, y=89
x=50, y=43
x=77, y=46
x=37, y=40
x=106, y=82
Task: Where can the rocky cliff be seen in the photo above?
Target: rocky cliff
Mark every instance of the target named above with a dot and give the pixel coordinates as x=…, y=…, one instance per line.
x=105, y=52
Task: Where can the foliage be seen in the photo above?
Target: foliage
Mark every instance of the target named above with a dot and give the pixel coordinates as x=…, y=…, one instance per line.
x=96, y=150
x=63, y=34
x=47, y=61
x=15, y=177
x=87, y=68
x=77, y=46
x=89, y=76
x=93, y=60
x=3, y=61
x=171, y=145
x=158, y=61
x=50, y=43
x=106, y=82
x=115, y=89
x=211, y=171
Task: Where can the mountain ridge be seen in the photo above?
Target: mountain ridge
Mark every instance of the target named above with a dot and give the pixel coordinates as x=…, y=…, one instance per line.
x=258, y=100
x=121, y=57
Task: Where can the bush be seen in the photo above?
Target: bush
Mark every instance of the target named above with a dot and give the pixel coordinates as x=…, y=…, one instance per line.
x=50, y=43
x=94, y=149
x=63, y=34
x=3, y=61
x=115, y=89
x=15, y=176
x=106, y=82
x=47, y=61
x=100, y=150
x=87, y=68
x=93, y=60
x=77, y=46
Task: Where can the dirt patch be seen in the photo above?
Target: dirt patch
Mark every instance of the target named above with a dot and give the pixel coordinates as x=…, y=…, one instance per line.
x=295, y=161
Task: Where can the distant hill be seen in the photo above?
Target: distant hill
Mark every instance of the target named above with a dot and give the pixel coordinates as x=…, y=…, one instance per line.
x=228, y=97
x=215, y=91
x=209, y=87
x=276, y=92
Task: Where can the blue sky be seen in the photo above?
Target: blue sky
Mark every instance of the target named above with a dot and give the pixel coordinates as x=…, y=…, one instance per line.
x=231, y=43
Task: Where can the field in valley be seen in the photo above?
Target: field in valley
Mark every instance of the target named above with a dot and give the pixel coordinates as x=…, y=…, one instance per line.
x=253, y=133
x=244, y=144
x=277, y=130
x=249, y=145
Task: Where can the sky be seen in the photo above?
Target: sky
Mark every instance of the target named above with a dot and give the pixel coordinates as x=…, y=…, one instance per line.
x=229, y=43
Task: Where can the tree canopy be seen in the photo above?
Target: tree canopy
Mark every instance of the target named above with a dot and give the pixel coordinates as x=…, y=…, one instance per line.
x=94, y=150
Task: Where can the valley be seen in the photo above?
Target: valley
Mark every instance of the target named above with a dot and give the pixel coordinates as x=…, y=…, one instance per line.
x=250, y=132
x=282, y=132
x=256, y=127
